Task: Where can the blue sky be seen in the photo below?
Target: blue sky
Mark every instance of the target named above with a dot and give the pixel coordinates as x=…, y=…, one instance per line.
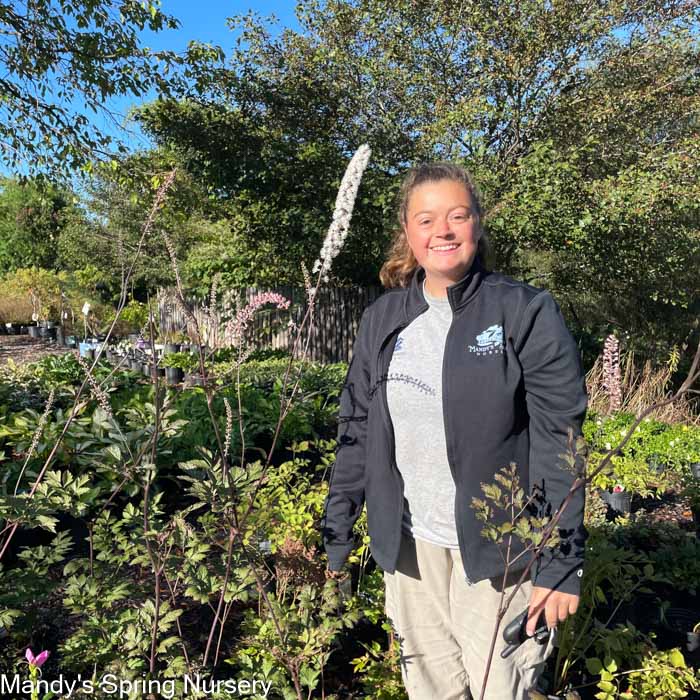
x=202, y=20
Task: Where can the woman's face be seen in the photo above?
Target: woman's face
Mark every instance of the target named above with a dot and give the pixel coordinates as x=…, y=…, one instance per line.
x=442, y=232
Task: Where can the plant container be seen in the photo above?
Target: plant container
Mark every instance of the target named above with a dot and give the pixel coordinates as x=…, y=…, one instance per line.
x=83, y=347
x=173, y=375
x=60, y=335
x=620, y=502
x=47, y=333
x=146, y=369
x=90, y=354
x=23, y=330
x=136, y=365
x=680, y=622
x=34, y=331
x=194, y=379
x=695, y=469
x=71, y=341
x=170, y=348
x=655, y=464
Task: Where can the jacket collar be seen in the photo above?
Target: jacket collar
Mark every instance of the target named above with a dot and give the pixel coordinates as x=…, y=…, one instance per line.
x=459, y=294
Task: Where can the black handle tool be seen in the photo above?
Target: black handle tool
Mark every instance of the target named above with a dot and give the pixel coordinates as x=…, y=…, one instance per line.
x=514, y=633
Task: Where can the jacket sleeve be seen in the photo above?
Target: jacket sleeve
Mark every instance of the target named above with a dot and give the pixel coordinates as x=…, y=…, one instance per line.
x=555, y=392
x=346, y=490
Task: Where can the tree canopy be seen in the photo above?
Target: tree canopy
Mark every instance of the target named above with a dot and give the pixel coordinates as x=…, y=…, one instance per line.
x=579, y=121
x=62, y=60
x=32, y=216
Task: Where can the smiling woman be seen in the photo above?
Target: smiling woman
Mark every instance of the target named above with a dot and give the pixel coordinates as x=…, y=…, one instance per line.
x=456, y=374
x=439, y=215
x=442, y=231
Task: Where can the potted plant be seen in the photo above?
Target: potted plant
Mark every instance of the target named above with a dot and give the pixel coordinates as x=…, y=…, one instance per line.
x=618, y=499
x=47, y=332
x=655, y=463
x=172, y=341
x=34, y=328
x=176, y=365
x=194, y=379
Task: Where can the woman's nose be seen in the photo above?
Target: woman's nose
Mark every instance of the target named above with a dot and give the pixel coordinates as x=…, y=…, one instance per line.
x=443, y=227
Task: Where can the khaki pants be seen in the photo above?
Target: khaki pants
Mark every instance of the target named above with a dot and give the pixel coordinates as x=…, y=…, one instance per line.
x=444, y=626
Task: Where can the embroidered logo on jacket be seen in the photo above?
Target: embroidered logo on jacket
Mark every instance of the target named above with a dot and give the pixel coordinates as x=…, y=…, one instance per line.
x=489, y=342
x=398, y=346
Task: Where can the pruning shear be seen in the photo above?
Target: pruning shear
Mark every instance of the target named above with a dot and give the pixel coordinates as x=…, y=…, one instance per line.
x=514, y=633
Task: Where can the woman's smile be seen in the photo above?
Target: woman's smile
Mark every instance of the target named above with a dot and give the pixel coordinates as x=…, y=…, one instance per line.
x=442, y=231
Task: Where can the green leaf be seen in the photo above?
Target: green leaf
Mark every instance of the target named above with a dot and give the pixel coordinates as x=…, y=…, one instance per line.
x=594, y=666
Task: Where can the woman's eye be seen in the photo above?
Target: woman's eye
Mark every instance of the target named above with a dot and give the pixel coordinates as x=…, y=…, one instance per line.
x=425, y=221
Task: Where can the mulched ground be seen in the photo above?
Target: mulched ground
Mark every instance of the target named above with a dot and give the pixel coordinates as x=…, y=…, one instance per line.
x=23, y=348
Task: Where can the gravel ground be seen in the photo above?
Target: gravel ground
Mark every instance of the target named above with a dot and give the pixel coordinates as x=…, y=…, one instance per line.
x=23, y=348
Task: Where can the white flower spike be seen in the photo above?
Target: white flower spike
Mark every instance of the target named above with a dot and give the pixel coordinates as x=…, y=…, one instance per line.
x=344, y=204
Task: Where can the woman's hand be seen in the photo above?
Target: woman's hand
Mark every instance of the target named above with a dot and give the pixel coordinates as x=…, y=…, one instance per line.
x=557, y=607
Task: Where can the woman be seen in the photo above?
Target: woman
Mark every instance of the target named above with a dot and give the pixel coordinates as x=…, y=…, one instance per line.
x=456, y=373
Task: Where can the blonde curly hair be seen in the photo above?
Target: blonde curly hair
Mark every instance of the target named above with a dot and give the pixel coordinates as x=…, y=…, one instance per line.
x=401, y=263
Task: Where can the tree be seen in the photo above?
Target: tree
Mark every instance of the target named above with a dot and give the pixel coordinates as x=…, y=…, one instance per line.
x=32, y=215
x=275, y=188
x=106, y=235
x=578, y=119
x=62, y=60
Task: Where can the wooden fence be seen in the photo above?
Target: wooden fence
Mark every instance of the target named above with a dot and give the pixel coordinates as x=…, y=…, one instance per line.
x=337, y=313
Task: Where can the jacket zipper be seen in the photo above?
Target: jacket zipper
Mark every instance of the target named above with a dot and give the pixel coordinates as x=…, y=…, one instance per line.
x=387, y=418
x=445, y=386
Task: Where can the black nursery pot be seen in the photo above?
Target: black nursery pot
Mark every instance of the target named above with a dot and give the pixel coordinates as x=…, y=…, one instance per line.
x=173, y=375
x=34, y=331
x=620, y=502
x=136, y=365
x=695, y=470
x=48, y=333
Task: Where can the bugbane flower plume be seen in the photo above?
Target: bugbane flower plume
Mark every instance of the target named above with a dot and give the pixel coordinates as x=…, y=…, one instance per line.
x=611, y=372
x=344, y=204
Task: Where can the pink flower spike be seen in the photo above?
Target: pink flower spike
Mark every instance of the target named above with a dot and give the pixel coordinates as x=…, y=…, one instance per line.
x=618, y=489
x=41, y=659
x=36, y=661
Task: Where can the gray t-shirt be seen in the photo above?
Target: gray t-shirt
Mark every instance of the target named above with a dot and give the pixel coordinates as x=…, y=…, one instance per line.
x=414, y=394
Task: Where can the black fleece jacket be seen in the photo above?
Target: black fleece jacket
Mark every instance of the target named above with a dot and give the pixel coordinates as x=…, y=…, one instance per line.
x=512, y=387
